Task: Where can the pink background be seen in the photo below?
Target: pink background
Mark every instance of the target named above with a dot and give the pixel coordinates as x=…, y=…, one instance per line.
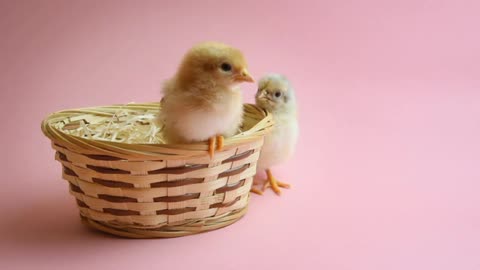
x=387, y=172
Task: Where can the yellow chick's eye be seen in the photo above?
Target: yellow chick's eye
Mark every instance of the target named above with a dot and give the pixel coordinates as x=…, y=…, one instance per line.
x=278, y=94
x=226, y=67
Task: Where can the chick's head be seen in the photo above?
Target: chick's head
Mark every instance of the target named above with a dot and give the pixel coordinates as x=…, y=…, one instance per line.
x=275, y=94
x=214, y=62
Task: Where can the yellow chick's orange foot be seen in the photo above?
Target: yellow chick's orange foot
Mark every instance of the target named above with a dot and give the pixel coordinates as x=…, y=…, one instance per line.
x=215, y=140
x=273, y=183
x=220, y=142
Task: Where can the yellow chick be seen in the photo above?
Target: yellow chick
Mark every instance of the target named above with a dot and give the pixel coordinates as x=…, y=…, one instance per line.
x=276, y=95
x=201, y=101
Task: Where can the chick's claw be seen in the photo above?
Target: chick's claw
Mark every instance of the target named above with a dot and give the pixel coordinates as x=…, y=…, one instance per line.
x=283, y=185
x=274, y=184
x=211, y=146
x=220, y=142
x=256, y=191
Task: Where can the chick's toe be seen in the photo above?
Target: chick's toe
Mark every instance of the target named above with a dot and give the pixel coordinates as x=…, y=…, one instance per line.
x=211, y=146
x=256, y=191
x=220, y=142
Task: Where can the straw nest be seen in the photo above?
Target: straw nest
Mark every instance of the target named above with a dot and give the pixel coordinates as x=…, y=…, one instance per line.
x=127, y=182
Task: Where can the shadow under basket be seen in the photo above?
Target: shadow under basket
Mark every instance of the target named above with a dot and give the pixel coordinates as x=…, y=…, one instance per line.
x=148, y=190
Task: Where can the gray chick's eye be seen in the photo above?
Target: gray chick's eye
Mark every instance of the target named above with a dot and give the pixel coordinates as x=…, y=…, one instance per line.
x=226, y=67
x=278, y=94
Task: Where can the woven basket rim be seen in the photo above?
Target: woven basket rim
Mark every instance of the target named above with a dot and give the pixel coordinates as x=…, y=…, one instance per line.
x=85, y=145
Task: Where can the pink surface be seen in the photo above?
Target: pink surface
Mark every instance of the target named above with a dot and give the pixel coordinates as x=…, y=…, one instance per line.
x=387, y=173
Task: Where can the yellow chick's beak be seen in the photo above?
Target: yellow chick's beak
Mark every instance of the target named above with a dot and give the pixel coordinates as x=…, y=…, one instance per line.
x=244, y=76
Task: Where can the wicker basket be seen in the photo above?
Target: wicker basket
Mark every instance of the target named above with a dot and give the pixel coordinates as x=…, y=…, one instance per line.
x=156, y=190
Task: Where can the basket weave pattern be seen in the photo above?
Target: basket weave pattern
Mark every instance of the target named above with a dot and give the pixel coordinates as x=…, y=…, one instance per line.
x=157, y=190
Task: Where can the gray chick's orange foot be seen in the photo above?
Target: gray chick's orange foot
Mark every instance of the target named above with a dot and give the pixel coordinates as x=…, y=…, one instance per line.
x=273, y=183
x=256, y=191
